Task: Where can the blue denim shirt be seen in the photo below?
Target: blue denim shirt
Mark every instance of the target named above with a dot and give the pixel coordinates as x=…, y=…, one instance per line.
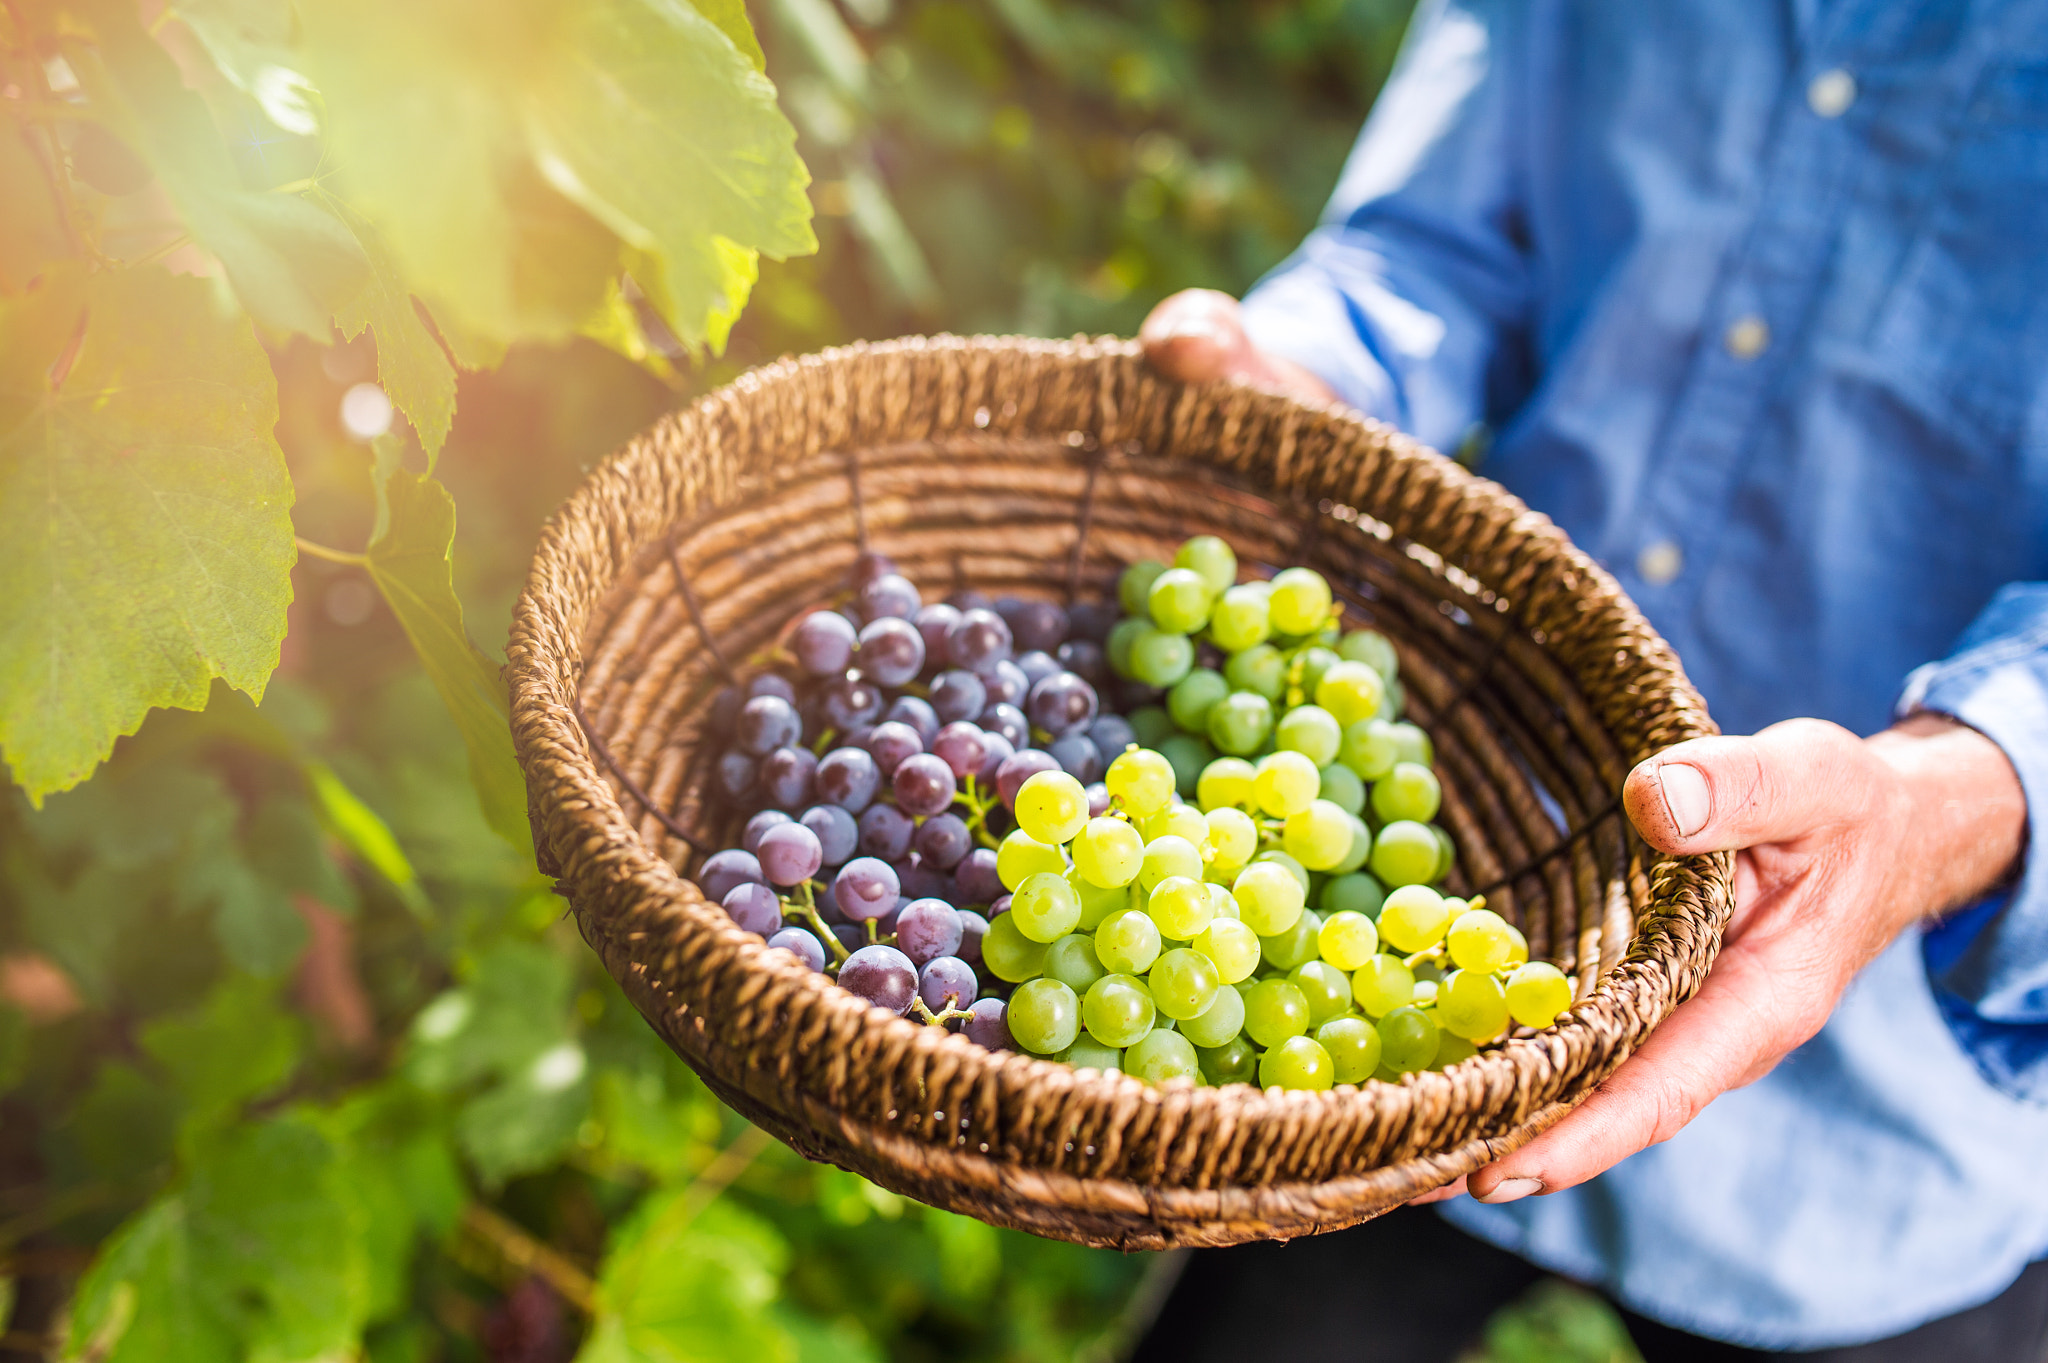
x=1752, y=298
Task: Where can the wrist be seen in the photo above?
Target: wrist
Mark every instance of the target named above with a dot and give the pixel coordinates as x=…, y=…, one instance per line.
x=1963, y=812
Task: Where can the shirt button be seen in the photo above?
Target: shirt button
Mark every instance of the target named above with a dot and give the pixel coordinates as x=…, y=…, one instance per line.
x=1659, y=564
x=1831, y=93
x=1747, y=336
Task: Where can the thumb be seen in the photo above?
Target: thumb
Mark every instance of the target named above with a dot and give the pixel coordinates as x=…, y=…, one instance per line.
x=1723, y=794
x=1196, y=336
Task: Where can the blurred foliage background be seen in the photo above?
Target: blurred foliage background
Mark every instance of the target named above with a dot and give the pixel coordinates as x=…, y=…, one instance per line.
x=298, y=1059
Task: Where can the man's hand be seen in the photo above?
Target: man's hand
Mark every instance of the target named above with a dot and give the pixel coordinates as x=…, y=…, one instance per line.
x=1197, y=335
x=1845, y=842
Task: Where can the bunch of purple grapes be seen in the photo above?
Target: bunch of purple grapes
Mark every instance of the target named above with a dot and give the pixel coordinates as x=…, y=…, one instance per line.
x=882, y=768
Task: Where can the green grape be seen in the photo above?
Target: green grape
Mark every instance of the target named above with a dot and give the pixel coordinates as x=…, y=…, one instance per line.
x=1446, y=853
x=1150, y=725
x=1184, y=983
x=1072, y=961
x=1354, y=893
x=1241, y=723
x=1052, y=807
x=1211, y=559
x=1274, y=1011
x=1300, y=602
x=1022, y=856
x=1479, y=940
x=1044, y=1016
x=1396, y=701
x=1381, y=985
x=1239, y=620
x=1293, y=867
x=1409, y=791
x=1319, y=836
x=1537, y=992
x=1233, y=837
x=1179, y=601
x=1414, y=918
x=1141, y=781
x=1347, y=939
x=1222, y=903
x=1406, y=853
x=1285, y=783
x=1311, y=731
x=1188, y=754
x=1260, y=669
x=1371, y=648
x=1117, y=647
x=1311, y=663
x=1225, y=783
x=1234, y=1062
x=1117, y=1010
x=1408, y=1039
x=1360, y=851
x=1369, y=749
x=1180, y=908
x=1161, y=1055
x=1219, y=1022
x=1045, y=907
x=1342, y=788
x=1097, y=902
x=1089, y=1054
x=1288, y=949
x=1300, y=1062
x=1134, y=588
x=1171, y=855
x=1234, y=948
x=1353, y=1045
x=1518, y=946
x=1194, y=696
x=1159, y=658
x=1269, y=898
x=1126, y=943
x=1411, y=744
x=1009, y=954
x=1178, y=821
x=1107, y=852
x=1349, y=691
x=1450, y=1050
x=1471, y=1004
x=1327, y=989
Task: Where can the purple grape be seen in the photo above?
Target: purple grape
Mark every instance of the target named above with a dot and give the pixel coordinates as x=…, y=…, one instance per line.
x=1078, y=757
x=1092, y=620
x=790, y=854
x=750, y=836
x=857, y=737
x=771, y=684
x=932, y=622
x=1061, y=704
x=723, y=872
x=883, y=976
x=1111, y=735
x=786, y=776
x=987, y=1028
x=757, y=908
x=802, y=945
x=827, y=902
x=1008, y=721
x=996, y=750
x=866, y=889
x=968, y=599
x=838, y=832
x=885, y=926
x=918, y=714
x=1098, y=800
x=922, y=880
x=928, y=928
x=871, y=565
x=978, y=640
x=890, y=596
x=850, y=935
x=1039, y=625
x=958, y=694
x=942, y=840
x=962, y=747
x=998, y=906
x=946, y=982
x=849, y=702
x=1004, y=682
x=1084, y=659
x=975, y=878
x=890, y=743
x=1009, y=606
x=823, y=644
x=924, y=785
x=1020, y=769
x=973, y=927
x=1133, y=695
x=849, y=778
x=1036, y=667
x=736, y=773
x=891, y=651
x=725, y=708
x=885, y=832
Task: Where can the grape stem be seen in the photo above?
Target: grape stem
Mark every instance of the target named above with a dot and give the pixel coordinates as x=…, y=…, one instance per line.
x=940, y=1018
x=1434, y=954
x=805, y=906
x=978, y=809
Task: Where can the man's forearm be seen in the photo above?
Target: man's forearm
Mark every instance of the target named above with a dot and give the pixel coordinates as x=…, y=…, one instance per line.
x=1967, y=823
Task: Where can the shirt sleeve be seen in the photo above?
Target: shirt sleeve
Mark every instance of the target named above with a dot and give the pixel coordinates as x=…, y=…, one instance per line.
x=1407, y=294
x=1989, y=963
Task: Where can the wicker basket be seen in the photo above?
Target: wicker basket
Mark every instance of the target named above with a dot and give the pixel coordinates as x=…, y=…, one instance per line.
x=1038, y=467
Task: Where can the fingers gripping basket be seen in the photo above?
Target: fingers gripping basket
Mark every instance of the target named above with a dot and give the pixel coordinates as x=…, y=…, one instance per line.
x=1040, y=468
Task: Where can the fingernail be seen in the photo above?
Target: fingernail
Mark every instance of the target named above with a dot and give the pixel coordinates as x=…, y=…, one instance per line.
x=1510, y=1190
x=1685, y=797
x=1195, y=328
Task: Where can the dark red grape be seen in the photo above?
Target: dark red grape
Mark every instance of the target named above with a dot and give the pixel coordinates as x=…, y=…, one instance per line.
x=891, y=742
x=790, y=854
x=975, y=878
x=886, y=924
x=922, y=880
x=958, y=694
x=1039, y=625
x=933, y=622
x=870, y=566
x=1092, y=620
x=968, y=599
x=1036, y=667
x=962, y=747
x=1004, y=682
x=848, y=702
x=802, y=945
x=771, y=684
x=923, y=785
x=838, y=832
x=917, y=713
x=849, y=778
x=942, y=840
x=786, y=776
x=750, y=836
x=1111, y=735
x=987, y=1027
x=996, y=750
x=1084, y=659
x=1020, y=769
x=883, y=976
x=885, y=832
x=891, y=651
x=851, y=935
x=1008, y=721
x=890, y=595
x=757, y=908
x=736, y=773
x=1078, y=757
x=723, y=871
x=725, y=708
x=866, y=889
x=1061, y=704
x=978, y=640
x=823, y=644
x=973, y=927
x=998, y=906
x=1133, y=695
x=928, y=928
x=946, y=982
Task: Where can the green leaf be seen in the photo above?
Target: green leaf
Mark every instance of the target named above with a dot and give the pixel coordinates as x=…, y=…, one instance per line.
x=364, y=833
x=32, y=229
x=530, y=1120
x=731, y=18
x=678, y=1288
x=398, y=1162
x=513, y=1009
x=235, y=1046
x=147, y=512
x=411, y=366
x=286, y=847
x=408, y=560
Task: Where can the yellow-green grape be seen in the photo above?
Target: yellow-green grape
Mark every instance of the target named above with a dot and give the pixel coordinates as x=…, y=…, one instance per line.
x=1360, y=851
x=1225, y=783
x=1411, y=744
x=1234, y=1062
x=1327, y=989
x=1381, y=985
x=1369, y=748
x=1179, y=906
x=1184, y=983
x=1134, y=588
x=1414, y=918
x=1518, y=946
x=1233, y=839
x=1234, y=948
x=1285, y=783
x=1446, y=852
x=1222, y=903
x=1354, y=893
x=1301, y=601
x=1194, y=696
x=1293, y=867
x=1479, y=939
x=1116, y=649
x=1450, y=1050
x=1215, y=1025
x=1211, y=559
x=1349, y=691
x=1260, y=670
x=1161, y=1055
x=1409, y=791
x=1371, y=648
x=1274, y=1010
x=1311, y=731
x=1052, y=807
x=1097, y=901
x=1045, y=908
x=1141, y=781
x=1089, y=1054
x=1537, y=992
x=1179, y=601
x=1269, y=898
x=1288, y=949
x=1009, y=954
x=1342, y=788
x=1072, y=961
x=1408, y=1039
x=1240, y=723
x=1107, y=852
x=1297, y=1063
x=1347, y=939
x=1406, y=853
x=1044, y=1016
x=1127, y=943
x=1471, y=1004
x=1117, y=1010
x=1022, y=856
x=1171, y=855
x=1319, y=836
x=1149, y=725
x=1353, y=1045
x=1177, y=821
x=1239, y=619
x=1310, y=665
x=1160, y=657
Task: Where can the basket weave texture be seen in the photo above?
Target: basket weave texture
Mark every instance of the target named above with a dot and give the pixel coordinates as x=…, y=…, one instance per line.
x=1038, y=468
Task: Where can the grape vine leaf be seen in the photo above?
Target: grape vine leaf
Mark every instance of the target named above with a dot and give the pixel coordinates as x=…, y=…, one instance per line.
x=411, y=366
x=146, y=510
x=680, y=1286
x=235, y=1045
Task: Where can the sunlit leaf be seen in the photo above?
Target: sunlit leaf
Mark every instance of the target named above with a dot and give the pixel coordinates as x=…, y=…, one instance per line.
x=32, y=229
x=411, y=367
x=684, y=1285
